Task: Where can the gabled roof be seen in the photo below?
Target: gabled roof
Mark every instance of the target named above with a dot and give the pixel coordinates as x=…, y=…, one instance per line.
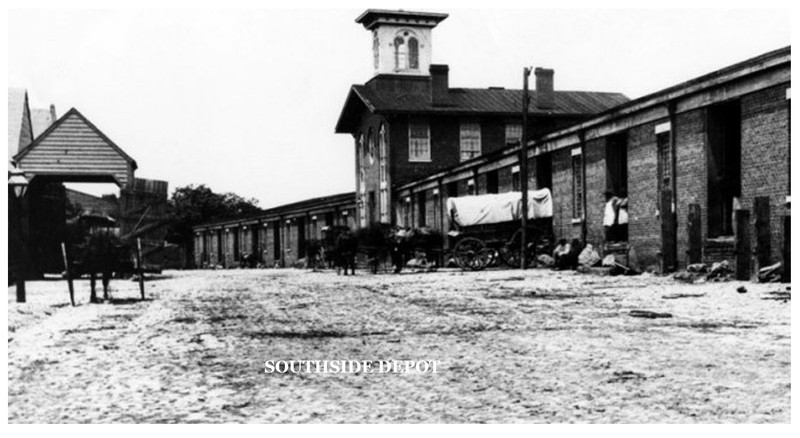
x=67, y=115
x=17, y=112
x=470, y=101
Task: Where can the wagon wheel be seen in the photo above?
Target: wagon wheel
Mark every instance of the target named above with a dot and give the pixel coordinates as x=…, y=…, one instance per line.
x=486, y=256
x=511, y=251
x=471, y=254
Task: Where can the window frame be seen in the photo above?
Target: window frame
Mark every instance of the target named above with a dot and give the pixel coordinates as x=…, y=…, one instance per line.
x=419, y=158
x=370, y=149
x=514, y=125
x=465, y=137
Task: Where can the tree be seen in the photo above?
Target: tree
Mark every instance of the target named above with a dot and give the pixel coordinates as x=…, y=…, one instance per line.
x=193, y=205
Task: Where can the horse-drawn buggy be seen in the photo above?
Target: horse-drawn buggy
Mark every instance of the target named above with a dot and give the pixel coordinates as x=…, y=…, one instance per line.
x=486, y=229
x=93, y=247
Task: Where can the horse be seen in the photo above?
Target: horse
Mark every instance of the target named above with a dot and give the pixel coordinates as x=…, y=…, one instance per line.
x=328, y=251
x=345, y=252
x=96, y=251
x=375, y=243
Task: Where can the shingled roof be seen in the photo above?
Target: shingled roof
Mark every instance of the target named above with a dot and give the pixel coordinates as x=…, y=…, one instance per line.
x=471, y=101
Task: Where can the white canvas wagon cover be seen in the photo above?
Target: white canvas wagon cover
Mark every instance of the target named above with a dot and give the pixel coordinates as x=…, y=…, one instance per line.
x=503, y=207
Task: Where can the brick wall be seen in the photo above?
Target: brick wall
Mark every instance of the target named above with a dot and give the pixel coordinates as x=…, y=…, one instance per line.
x=265, y=236
x=765, y=157
x=290, y=248
x=246, y=242
x=213, y=248
x=691, y=174
x=765, y=172
x=198, y=250
x=563, y=228
x=644, y=227
x=227, y=236
x=595, y=165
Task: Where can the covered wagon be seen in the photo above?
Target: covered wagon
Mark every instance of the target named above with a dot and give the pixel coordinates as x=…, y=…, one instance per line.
x=485, y=228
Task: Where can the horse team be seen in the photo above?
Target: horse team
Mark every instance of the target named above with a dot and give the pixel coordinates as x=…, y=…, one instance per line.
x=340, y=247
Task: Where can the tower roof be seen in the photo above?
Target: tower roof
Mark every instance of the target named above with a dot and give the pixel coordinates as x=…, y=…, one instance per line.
x=374, y=17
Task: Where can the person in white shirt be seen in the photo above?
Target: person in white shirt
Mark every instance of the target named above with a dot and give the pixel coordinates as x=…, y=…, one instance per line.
x=610, y=216
x=615, y=218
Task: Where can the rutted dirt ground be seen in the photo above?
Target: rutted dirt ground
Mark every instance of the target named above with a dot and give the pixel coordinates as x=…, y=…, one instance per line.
x=537, y=346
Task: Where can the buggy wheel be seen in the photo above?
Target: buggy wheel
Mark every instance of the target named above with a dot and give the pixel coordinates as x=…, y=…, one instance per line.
x=471, y=254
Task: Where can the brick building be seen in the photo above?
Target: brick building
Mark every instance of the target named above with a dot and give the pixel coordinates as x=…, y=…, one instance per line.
x=712, y=145
x=278, y=236
x=408, y=123
x=686, y=157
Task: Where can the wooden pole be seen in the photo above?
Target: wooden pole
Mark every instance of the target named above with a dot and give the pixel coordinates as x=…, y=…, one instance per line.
x=139, y=265
x=668, y=257
x=695, y=228
x=742, y=244
x=69, y=275
x=22, y=264
x=763, y=231
x=523, y=167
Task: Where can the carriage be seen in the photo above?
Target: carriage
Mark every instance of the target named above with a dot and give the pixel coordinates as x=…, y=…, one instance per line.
x=80, y=232
x=486, y=230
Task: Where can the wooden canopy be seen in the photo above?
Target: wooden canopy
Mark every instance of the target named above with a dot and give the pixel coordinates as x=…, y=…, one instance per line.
x=73, y=150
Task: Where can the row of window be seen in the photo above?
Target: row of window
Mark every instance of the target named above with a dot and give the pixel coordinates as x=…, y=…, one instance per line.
x=419, y=140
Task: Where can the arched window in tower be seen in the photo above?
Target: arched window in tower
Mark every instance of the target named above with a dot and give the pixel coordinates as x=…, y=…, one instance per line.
x=413, y=53
x=400, y=53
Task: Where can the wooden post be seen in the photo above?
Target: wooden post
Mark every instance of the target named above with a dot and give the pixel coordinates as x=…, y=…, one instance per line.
x=787, y=249
x=742, y=244
x=523, y=167
x=669, y=261
x=763, y=231
x=69, y=275
x=139, y=265
x=695, y=228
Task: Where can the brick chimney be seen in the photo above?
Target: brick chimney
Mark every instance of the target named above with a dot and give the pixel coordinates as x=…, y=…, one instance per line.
x=53, y=117
x=545, y=96
x=440, y=84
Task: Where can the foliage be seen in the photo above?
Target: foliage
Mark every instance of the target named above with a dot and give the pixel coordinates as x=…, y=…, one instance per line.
x=193, y=205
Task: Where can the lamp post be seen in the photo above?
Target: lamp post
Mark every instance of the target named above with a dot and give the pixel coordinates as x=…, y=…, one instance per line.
x=19, y=185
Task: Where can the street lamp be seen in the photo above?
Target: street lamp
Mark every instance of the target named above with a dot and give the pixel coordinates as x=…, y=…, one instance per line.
x=19, y=185
x=18, y=182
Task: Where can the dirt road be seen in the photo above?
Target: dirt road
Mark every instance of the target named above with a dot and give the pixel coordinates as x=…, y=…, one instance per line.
x=538, y=346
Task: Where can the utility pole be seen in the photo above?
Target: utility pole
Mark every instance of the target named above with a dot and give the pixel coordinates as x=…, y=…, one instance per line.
x=523, y=166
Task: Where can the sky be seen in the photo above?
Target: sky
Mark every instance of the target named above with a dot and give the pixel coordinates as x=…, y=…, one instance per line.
x=246, y=101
